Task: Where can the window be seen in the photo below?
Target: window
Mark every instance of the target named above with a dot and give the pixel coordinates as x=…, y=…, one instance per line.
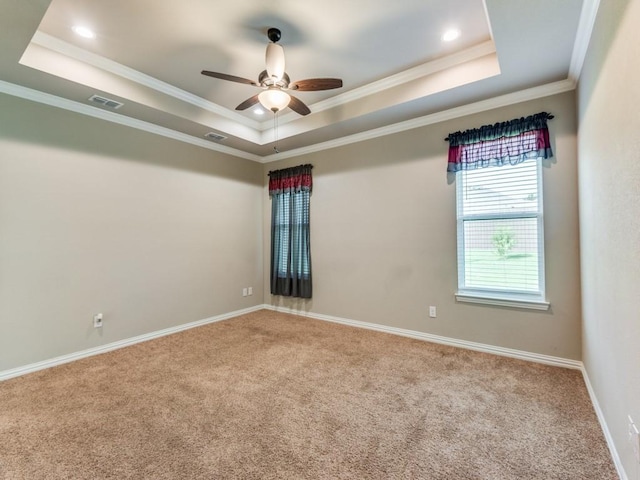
x=290, y=213
x=500, y=232
x=498, y=170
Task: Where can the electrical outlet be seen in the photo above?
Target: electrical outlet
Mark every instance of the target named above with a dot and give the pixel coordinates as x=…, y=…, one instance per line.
x=432, y=312
x=244, y=292
x=97, y=320
x=250, y=290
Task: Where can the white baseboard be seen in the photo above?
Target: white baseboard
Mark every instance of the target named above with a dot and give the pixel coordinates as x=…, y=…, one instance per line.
x=454, y=342
x=605, y=428
x=34, y=367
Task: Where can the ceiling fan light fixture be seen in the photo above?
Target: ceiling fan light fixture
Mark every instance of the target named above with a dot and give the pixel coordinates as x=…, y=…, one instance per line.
x=274, y=99
x=274, y=81
x=274, y=58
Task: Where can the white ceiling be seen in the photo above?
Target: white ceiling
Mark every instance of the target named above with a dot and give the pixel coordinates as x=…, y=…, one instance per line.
x=397, y=71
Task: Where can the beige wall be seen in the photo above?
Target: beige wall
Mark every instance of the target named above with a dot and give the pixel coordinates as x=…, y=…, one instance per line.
x=609, y=179
x=383, y=228
x=96, y=217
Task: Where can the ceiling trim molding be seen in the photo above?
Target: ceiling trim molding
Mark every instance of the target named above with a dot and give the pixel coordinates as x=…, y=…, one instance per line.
x=586, y=23
x=429, y=68
x=398, y=79
x=470, y=109
x=98, y=61
x=73, y=106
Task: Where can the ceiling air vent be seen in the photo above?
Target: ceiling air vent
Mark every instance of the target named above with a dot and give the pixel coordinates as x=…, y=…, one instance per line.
x=216, y=137
x=105, y=102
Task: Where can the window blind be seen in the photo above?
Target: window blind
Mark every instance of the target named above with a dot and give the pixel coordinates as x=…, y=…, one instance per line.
x=500, y=229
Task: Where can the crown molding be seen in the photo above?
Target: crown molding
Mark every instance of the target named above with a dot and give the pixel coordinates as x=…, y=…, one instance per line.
x=64, y=48
x=470, y=109
x=81, y=108
x=586, y=23
x=98, y=61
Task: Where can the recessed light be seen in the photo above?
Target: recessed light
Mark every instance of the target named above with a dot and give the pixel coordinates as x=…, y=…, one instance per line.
x=450, y=35
x=84, y=31
x=258, y=111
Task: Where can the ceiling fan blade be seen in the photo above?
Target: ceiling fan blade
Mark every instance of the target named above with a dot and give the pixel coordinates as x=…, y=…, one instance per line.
x=231, y=78
x=298, y=106
x=315, y=84
x=249, y=102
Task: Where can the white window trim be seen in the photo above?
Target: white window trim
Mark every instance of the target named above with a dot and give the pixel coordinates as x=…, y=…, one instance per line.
x=500, y=297
x=500, y=301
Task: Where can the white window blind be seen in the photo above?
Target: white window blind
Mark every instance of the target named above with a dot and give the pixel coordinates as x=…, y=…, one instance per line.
x=500, y=236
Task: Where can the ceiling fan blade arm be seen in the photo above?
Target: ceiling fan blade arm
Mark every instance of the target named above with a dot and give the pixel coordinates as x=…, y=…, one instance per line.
x=249, y=102
x=298, y=106
x=230, y=78
x=316, y=84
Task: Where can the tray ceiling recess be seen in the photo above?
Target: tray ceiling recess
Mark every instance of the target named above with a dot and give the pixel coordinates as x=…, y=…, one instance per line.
x=396, y=70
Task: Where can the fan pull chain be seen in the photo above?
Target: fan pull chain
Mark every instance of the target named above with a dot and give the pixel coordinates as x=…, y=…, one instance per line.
x=275, y=130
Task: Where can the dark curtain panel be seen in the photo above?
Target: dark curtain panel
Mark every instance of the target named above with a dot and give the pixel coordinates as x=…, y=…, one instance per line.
x=504, y=143
x=290, y=191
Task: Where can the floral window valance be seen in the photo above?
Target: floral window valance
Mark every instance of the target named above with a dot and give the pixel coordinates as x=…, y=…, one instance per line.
x=290, y=180
x=504, y=143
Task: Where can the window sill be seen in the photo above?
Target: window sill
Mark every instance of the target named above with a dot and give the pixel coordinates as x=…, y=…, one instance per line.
x=503, y=301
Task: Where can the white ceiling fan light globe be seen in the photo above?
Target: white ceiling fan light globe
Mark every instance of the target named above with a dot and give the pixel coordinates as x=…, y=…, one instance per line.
x=274, y=58
x=274, y=99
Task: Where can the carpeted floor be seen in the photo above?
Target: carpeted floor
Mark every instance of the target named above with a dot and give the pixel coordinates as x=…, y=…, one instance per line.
x=269, y=395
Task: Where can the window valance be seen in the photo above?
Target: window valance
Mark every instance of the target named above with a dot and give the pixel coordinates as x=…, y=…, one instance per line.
x=509, y=142
x=290, y=180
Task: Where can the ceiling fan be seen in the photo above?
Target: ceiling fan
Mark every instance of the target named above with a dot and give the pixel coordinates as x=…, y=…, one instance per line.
x=275, y=82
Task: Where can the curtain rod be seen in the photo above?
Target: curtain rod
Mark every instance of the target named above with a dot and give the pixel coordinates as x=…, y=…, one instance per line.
x=308, y=165
x=549, y=117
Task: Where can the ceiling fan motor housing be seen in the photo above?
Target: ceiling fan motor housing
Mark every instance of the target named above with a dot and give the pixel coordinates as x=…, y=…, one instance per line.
x=265, y=80
x=274, y=58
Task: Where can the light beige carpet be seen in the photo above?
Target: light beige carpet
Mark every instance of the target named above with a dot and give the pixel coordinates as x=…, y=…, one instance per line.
x=270, y=395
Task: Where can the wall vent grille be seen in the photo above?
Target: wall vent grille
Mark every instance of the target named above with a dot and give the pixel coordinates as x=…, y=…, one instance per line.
x=216, y=137
x=105, y=102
